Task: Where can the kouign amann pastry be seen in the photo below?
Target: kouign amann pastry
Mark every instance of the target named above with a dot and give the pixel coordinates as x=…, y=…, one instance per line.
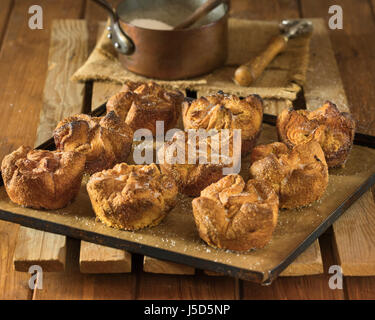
x=221, y=111
x=193, y=175
x=298, y=175
x=104, y=141
x=334, y=130
x=42, y=179
x=140, y=105
x=131, y=197
x=230, y=214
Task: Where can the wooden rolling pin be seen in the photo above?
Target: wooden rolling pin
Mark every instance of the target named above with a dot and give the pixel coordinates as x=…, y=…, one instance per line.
x=247, y=73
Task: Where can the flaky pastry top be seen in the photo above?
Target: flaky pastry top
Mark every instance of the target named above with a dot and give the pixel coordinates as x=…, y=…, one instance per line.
x=104, y=140
x=35, y=163
x=235, y=215
x=221, y=111
x=137, y=101
x=298, y=175
x=332, y=129
x=129, y=183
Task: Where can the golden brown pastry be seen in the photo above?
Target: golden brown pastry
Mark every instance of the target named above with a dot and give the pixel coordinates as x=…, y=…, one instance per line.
x=299, y=175
x=104, y=141
x=233, y=215
x=190, y=176
x=221, y=111
x=334, y=130
x=41, y=178
x=131, y=197
x=140, y=105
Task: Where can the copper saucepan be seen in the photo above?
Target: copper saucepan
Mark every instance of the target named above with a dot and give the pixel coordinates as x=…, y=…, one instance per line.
x=168, y=54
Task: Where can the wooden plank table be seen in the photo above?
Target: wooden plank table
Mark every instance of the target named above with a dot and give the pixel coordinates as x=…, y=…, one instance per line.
x=18, y=125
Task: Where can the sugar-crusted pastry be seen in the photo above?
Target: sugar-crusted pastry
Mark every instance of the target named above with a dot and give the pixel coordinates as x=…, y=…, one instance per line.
x=334, y=130
x=221, y=111
x=196, y=168
x=140, y=105
x=42, y=179
x=298, y=175
x=230, y=214
x=131, y=197
x=104, y=141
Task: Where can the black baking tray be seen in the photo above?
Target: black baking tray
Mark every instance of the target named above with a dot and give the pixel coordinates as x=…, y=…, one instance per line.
x=114, y=239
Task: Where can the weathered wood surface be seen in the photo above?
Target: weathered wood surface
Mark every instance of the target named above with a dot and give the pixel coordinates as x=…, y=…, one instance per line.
x=354, y=231
x=166, y=267
x=44, y=249
x=23, y=67
x=323, y=81
x=308, y=263
x=72, y=284
x=354, y=49
x=95, y=258
x=354, y=235
x=61, y=98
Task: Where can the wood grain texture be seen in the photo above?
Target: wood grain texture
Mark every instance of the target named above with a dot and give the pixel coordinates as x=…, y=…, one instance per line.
x=264, y=10
x=354, y=47
x=323, y=81
x=5, y=10
x=360, y=288
x=353, y=231
x=23, y=78
x=13, y=285
x=36, y=247
x=355, y=238
x=199, y=286
x=78, y=286
x=166, y=267
x=61, y=98
x=23, y=66
x=299, y=288
x=95, y=258
x=308, y=263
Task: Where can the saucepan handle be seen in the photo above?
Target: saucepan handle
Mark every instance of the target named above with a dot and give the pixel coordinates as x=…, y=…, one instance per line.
x=121, y=41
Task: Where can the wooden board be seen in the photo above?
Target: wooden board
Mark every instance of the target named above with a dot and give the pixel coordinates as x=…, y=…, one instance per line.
x=355, y=238
x=354, y=234
x=44, y=249
x=61, y=98
x=323, y=81
x=308, y=263
x=94, y=258
x=354, y=50
x=21, y=91
x=72, y=284
x=166, y=267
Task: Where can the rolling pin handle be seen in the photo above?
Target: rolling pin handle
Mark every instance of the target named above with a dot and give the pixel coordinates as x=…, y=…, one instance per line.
x=247, y=73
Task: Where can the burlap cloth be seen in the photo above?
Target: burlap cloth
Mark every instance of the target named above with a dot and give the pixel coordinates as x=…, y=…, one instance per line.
x=282, y=79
